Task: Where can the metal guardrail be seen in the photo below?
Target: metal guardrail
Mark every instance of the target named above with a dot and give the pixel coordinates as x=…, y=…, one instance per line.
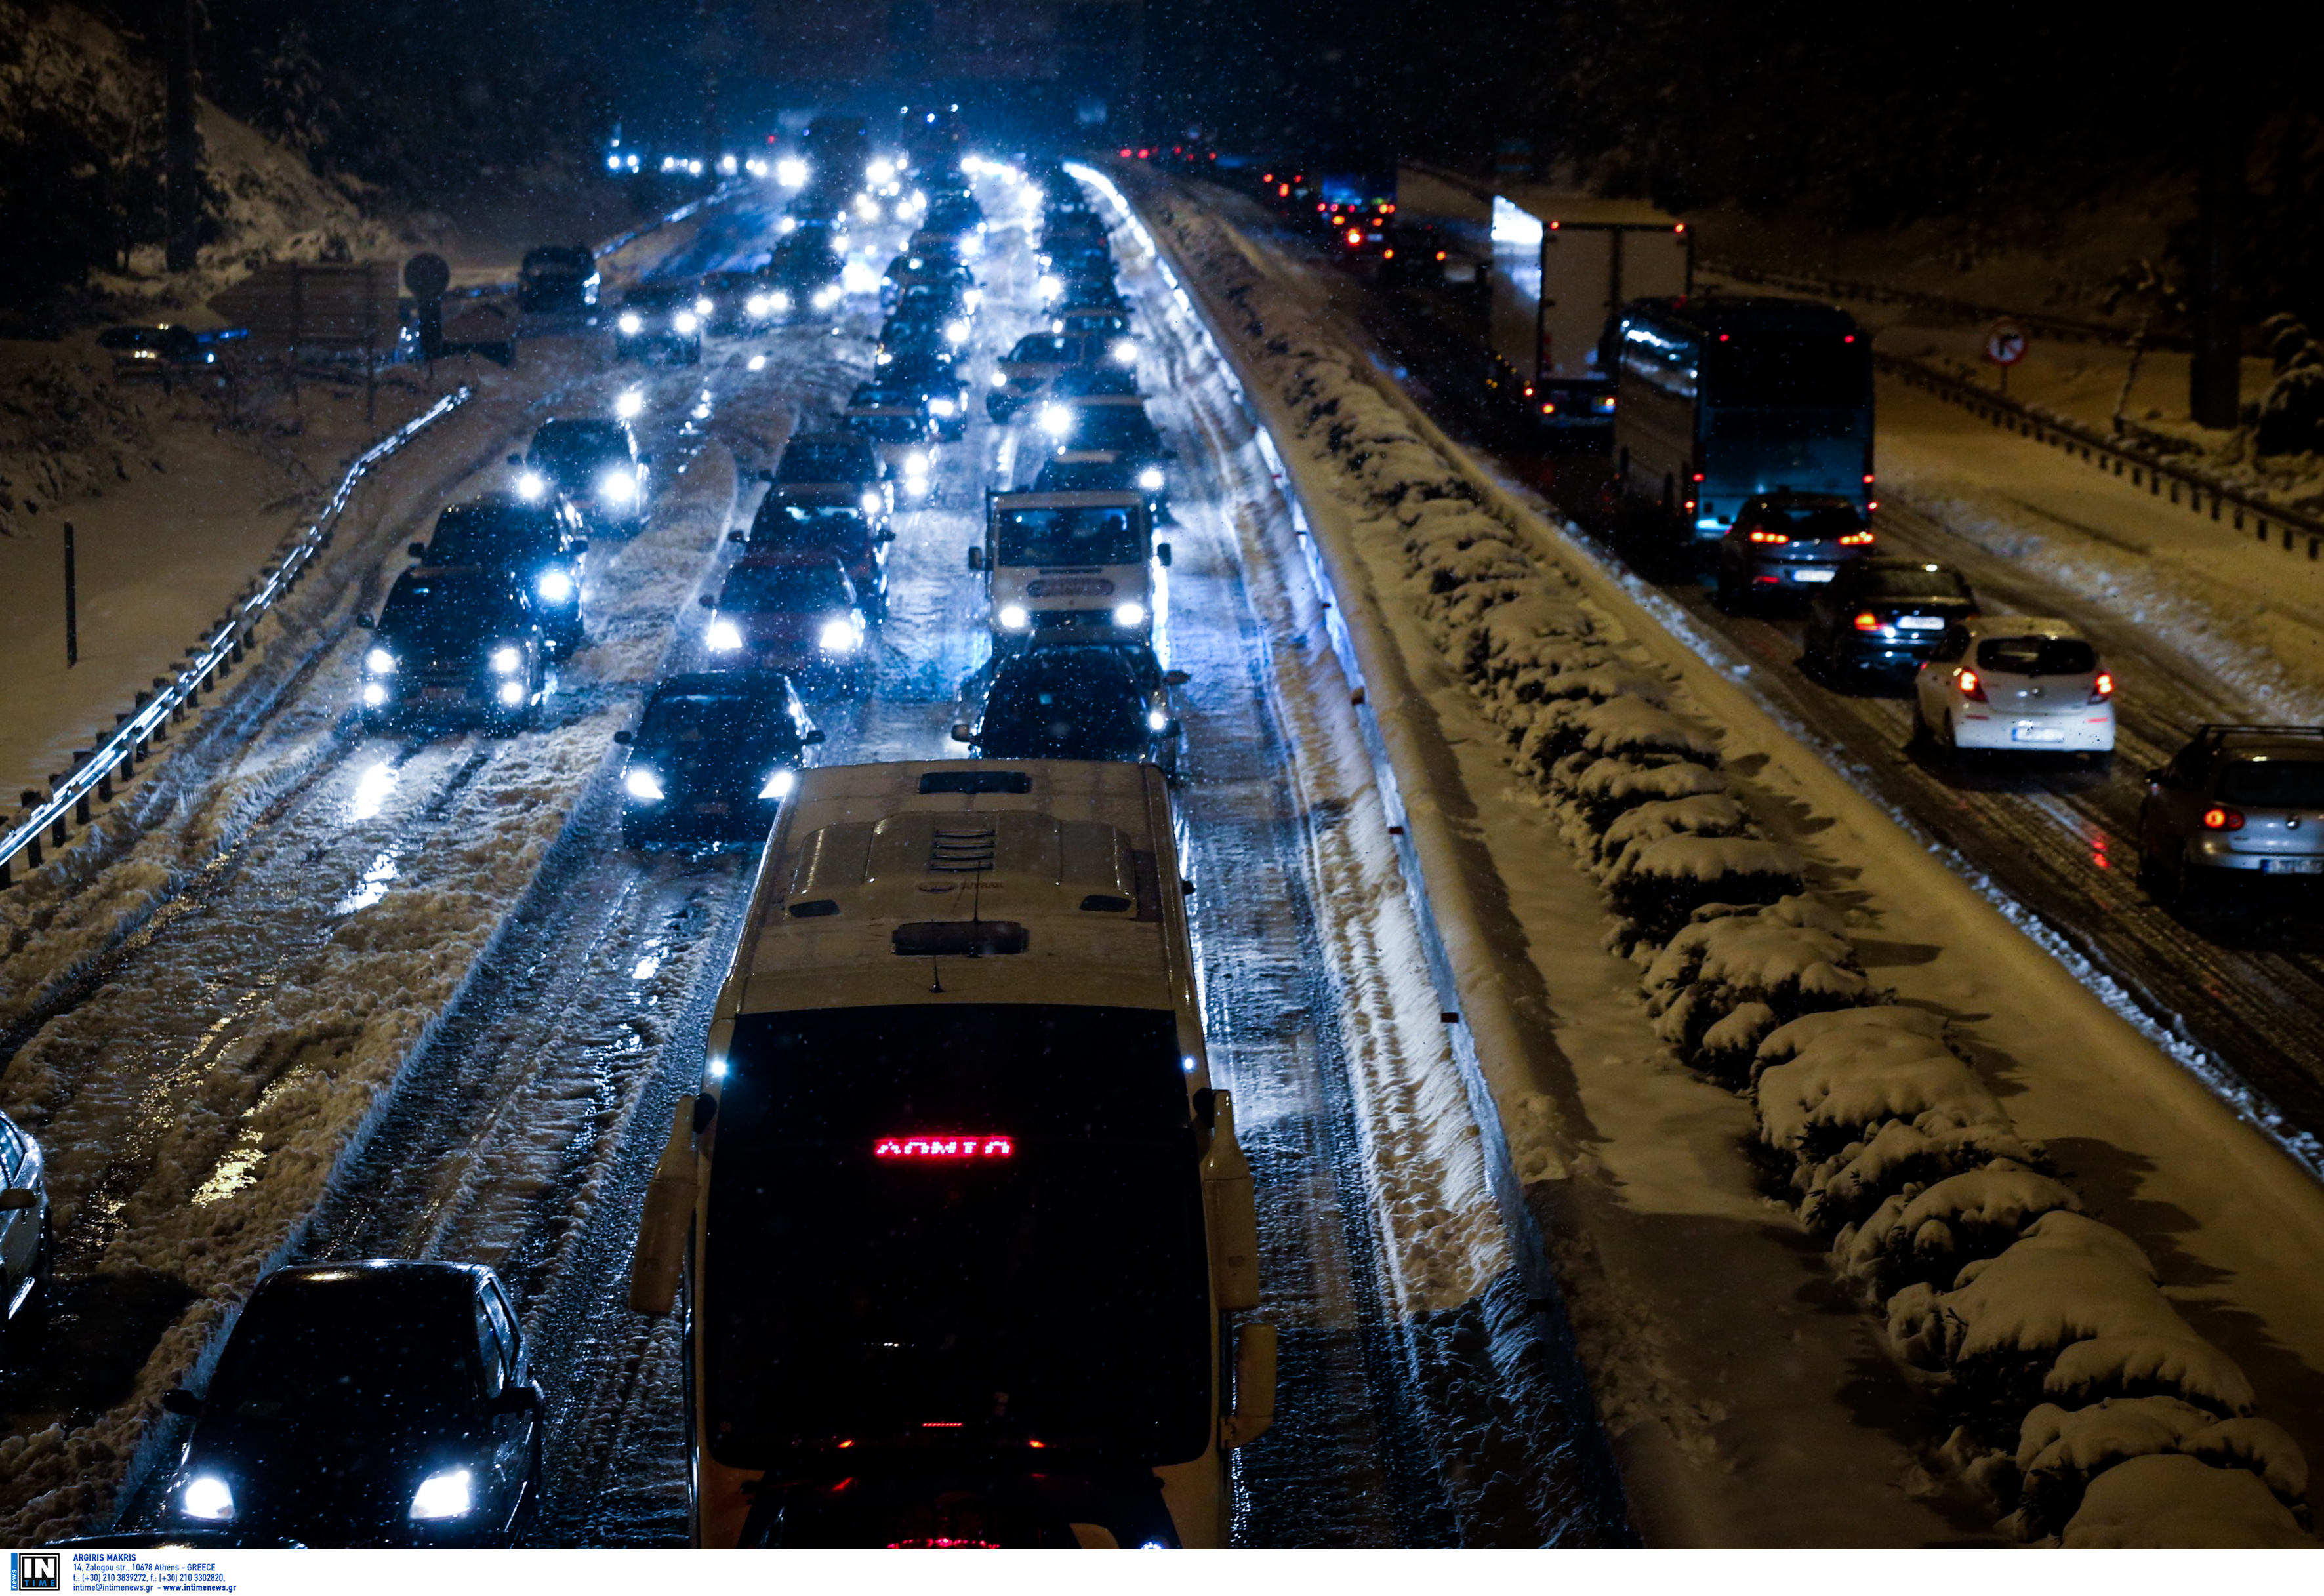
x=119, y=757
x=2065, y=329
x=2201, y=493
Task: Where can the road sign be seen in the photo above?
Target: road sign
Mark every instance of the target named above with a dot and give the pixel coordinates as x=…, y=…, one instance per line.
x=2004, y=343
x=427, y=276
x=293, y=306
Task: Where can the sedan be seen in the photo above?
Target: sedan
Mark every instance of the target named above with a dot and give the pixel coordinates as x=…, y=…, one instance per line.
x=793, y=612
x=1879, y=614
x=594, y=464
x=23, y=1221
x=2025, y=683
x=534, y=541
x=380, y=1403
x=2242, y=799
x=1074, y=701
x=1782, y=542
x=713, y=758
x=663, y=318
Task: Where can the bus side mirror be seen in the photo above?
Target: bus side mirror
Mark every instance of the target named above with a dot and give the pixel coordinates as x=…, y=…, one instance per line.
x=660, y=1257
x=365, y=622
x=738, y=536
x=1230, y=1210
x=976, y=559
x=516, y=459
x=1162, y=552
x=1177, y=678
x=962, y=732
x=812, y=738
x=768, y=477
x=181, y=1402
x=705, y=601
x=416, y=551
x=1254, y=1387
x=624, y=738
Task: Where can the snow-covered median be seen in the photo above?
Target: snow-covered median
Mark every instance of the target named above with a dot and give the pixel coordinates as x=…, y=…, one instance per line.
x=2021, y=1316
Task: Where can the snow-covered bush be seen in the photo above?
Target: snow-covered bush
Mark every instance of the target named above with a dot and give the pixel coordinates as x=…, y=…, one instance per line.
x=1930, y=1233
x=2061, y=1451
x=1724, y=982
x=2168, y=1501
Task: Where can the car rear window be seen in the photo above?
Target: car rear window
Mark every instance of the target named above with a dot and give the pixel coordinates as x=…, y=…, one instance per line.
x=827, y=461
x=2038, y=656
x=2274, y=784
x=1802, y=522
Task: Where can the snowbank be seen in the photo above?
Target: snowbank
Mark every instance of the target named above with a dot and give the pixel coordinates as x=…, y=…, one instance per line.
x=1895, y=1147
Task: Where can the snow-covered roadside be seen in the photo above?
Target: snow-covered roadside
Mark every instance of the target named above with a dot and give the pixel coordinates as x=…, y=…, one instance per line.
x=258, y=1110
x=1504, y=625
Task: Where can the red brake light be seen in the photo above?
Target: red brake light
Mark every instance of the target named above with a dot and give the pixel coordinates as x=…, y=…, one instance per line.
x=1440, y=254
x=1847, y=337
x=944, y=1147
x=2218, y=819
x=1355, y=237
x=1283, y=190
x=1970, y=687
x=1855, y=540
x=1867, y=622
x=1760, y=535
x=1698, y=477
x=2103, y=688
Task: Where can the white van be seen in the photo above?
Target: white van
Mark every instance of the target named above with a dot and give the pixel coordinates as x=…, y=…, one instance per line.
x=1072, y=567
x=955, y=1217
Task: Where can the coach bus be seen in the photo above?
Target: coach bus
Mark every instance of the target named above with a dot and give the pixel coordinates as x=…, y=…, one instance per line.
x=1720, y=399
x=957, y=1226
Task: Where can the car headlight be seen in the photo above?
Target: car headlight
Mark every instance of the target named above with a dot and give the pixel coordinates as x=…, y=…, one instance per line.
x=505, y=659
x=1150, y=479
x=1155, y=720
x=375, y=694
x=449, y=1495
x=916, y=464
x=530, y=484
x=778, y=301
x=1132, y=613
x=837, y=637
x=1013, y=618
x=642, y=785
x=629, y=321
x=207, y=1496
x=705, y=306
x=940, y=408
x=617, y=487
x=779, y=785
x=685, y=321
x=881, y=358
x=1000, y=379
x=757, y=305
x=1056, y=420
x=1125, y=352
x=511, y=694
x=791, y=174
x=1050, y=287
x=872, y=502
x=556, y=586
x=379, y=662
x=826, y=296
x=723, y=637
x=630, y=404
x=955, y=332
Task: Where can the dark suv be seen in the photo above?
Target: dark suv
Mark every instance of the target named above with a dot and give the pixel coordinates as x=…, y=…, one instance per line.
x=713, y=758
x=536, y=543
x=1877, y=614
x=594, y=464
x=2244, y=798
x=557, y=276
x=456, y=642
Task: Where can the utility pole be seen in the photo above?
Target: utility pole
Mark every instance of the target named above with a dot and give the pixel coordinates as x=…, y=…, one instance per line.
x=72, y=604
x=714, y=137
x=181, y=149
x=2215, y=377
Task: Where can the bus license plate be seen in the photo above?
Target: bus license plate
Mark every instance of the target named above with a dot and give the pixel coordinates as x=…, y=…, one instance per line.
x=2036, y=735
x=2293, y=866
x=1813, y=574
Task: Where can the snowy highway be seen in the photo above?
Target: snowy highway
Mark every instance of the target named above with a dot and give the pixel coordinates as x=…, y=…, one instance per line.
x=425, y=1004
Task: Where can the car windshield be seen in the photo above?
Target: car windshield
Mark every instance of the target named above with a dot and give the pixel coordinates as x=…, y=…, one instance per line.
x=447, y=610
x=1801, y=522
x=2037, y=656
x=510, y=540
x=1105, y=535
x=860, y=1284
x=1044, y=347
x=1052, y=716
x=784, y=587
x=909, y=428
x=581, y=444
x=1910, y=582
x=809, y=526
x=2275, y=783
x=834, y=461
x=708, y=717
x=355, y=1357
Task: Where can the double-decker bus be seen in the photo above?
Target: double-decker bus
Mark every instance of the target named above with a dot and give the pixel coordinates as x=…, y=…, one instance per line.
x=955, y=1223
x=1722, y=399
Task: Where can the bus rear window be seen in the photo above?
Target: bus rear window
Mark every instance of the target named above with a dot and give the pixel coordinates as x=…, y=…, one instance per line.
x=1052, y=1286
x=1784, y=369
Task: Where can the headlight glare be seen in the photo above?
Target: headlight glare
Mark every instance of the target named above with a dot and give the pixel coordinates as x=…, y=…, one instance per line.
x=530, y=484
x=1000, y=379
x=1155, y=720
x=723, y=637
x=1132, y=613
x=1125, y=352
x=379, y=662
x=1056, y=420
x=685, y=321
x=704, y=306
x=374, y=695
x=940, y=407
x=955, y=332
x=1013, y=618
x=757, y=305
x=872, y=502
x=556, y=586
x=447, y=1495
x=511, y=694
x=778, y=300
x=837, y=637
x=642, y=785
x=780, y=783
x=630, y=322
x=617, y=487
x=505, y=659
x=207, y=1496
x=1150, y=479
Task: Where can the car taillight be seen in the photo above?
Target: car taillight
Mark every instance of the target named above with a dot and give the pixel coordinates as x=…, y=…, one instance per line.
x=1970, y=687
x=1855, y=540
x=2219, y=819
x=2103, y=688
x=1758, y=535
x=1867, y=622
x=1355, y=237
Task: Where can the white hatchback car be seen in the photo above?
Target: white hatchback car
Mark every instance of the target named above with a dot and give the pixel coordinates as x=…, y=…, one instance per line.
x=23, y=1220
x=2022, y=682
